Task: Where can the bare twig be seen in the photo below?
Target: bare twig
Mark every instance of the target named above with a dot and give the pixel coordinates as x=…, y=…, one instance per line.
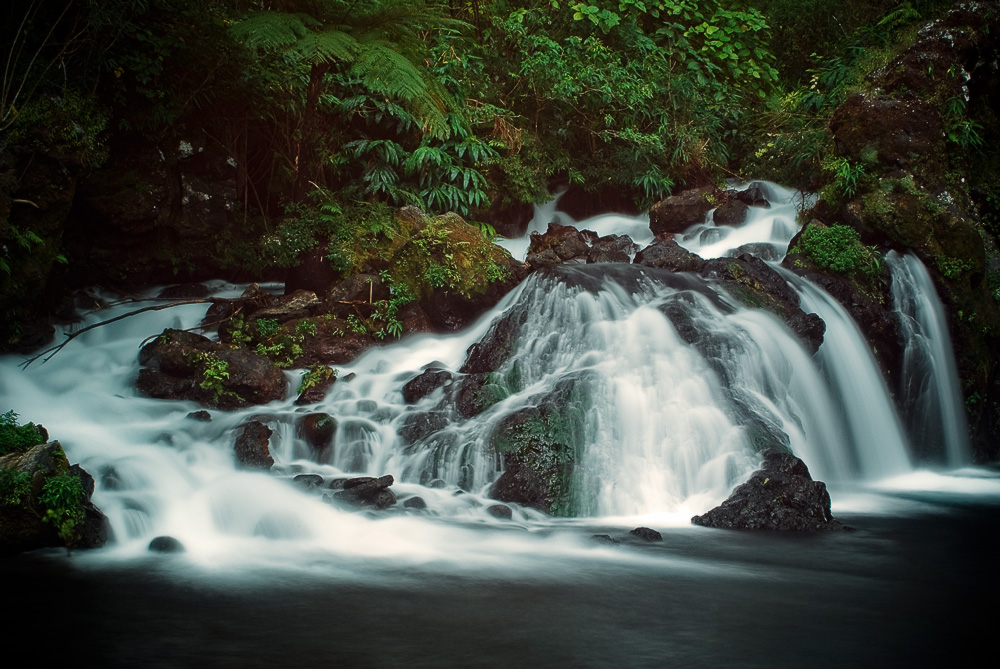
x=50, y=352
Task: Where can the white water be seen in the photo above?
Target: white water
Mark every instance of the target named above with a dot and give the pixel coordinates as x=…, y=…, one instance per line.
x=765, y=232
x=674, y=388
x=872, y=427
x=929, y=387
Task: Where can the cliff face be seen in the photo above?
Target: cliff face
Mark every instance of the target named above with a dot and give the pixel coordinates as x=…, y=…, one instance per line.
x=913, y=173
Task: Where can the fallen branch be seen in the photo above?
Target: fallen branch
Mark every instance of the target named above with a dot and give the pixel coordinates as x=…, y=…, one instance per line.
x=50, y=352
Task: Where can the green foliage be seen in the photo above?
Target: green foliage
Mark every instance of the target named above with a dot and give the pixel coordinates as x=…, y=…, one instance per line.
x=838, y=248
x=952, y=268
x=305, y=328
x=213, y=373
x=15, y=487
x=316, y=375
x=266, y=327
x=846, y=179
x=69, y=124
x=63, y=498
x=16, y=438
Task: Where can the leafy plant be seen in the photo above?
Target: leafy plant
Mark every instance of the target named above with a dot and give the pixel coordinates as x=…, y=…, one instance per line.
x=214, y=374
x=16, y=438
x=15, y=487
x=63, y=497
x=838, y=248
x=314, y=376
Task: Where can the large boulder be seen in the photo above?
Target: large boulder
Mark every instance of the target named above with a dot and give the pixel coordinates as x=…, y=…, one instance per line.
x=252, y=447
x=781, y=495
x=538, y=447
x=45, y=502
x=558, y=244
x=367, y=492
x=182, y=365
x=665, y=253
x=679, y=212
x=612, y=248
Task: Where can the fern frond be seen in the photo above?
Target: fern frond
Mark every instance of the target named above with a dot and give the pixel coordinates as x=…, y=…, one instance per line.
x=271, y=31
x=328, y=46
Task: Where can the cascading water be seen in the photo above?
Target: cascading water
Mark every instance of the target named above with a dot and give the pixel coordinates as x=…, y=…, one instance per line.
x=872, y=428
x=929, y=390
x=666, y=389
x=765, y=232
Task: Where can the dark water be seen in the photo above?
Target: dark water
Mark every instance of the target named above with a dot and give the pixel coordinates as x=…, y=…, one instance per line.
x=918, y=590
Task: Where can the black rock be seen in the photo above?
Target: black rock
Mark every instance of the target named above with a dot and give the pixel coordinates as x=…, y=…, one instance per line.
x=368, y=492
x=424, y=384
x=202, y=416
x=605, y=539
x=415, y=503
x=166, y=545
x=308, y=481
x=647, y=534
x=501, y=511
x=781, y=495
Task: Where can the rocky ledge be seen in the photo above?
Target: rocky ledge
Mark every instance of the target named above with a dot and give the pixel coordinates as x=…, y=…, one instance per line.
x=781, y=495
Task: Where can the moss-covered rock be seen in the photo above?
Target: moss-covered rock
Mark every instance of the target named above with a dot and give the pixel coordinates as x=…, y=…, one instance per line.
x=540, y=450
x=44, y=502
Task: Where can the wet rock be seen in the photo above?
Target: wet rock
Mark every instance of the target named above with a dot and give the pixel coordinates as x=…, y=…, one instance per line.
x=420, y=425
x=665, y=253
x=201, y=416
x=183, y=365
x=415, y=502
x=501, y=511
x=612, y=248
x=22, y=526
x=781, y=495
x=679, y=212
x=732, y=213
x=646, y=534
x=605, y=539
x=308, y=481
x=298, y=304
x=165, y=544
x=424, y=384
x=535, y=444
x=755, y=284
x=253, y=446
x=754, y=195
x=906, y=128
x=367, y=492
x=358, y=288
x=476, y=393
x=450, y=310
x=318, y=430
x=488, y=354
x=316, y=392
x=564, y=241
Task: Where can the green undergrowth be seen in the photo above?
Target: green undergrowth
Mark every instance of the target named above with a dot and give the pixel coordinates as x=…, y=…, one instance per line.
x=17, y=438
x=839, y=248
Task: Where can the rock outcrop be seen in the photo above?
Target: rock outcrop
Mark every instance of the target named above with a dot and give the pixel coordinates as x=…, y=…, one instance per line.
x=781, y=495
x=45, y=502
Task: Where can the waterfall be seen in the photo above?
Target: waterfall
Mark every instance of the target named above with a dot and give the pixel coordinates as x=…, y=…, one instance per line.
x=664, y=390
x=929, y=390
x=870, y=423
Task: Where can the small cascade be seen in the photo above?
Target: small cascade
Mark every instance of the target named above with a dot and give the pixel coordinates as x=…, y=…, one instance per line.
x=765, y=232
x=872, y=428
x=929, y=389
